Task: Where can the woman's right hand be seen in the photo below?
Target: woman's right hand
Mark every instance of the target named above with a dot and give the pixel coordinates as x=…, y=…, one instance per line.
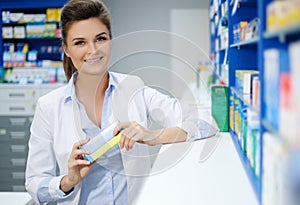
x=78, y=167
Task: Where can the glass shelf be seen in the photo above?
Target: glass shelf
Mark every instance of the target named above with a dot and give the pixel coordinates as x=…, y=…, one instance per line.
x=252, y=41
x=282, y=33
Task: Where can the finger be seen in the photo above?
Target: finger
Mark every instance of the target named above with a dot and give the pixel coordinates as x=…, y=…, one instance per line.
x=122, y=141
x=78, y=144
x=120, y=126
x=131, y=143
x=79, y=162
x=126, y=142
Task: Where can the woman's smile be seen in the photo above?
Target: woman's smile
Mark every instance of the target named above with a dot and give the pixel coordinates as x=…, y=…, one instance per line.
x=93, y=61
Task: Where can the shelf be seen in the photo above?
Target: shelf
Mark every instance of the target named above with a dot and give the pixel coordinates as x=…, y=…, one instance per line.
x=282, y=33
x=254, y=180
x=28, y=39
x=267, y=125
x=246, y=98
x=244, y=2
x=221, y=49
x=29, y=23
x=252, y=41
x=269, y=128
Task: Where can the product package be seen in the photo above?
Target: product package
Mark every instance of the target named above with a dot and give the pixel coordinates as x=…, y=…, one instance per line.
x=101, y=143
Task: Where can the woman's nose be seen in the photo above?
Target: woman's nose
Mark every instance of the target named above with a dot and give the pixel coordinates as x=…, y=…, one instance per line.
x=92, y=47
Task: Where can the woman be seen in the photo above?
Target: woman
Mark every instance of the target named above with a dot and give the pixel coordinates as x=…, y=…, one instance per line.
x=88, y=100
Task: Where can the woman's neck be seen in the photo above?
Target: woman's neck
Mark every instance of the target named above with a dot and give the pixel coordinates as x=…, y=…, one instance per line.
x=90, y=87
x=90, y=91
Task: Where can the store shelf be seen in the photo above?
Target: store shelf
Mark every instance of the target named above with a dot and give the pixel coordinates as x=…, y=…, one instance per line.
x=249, y=42
x=282, y=33
x=255, y=181
x=28, y=39
x=246, y=98
x=221, y=49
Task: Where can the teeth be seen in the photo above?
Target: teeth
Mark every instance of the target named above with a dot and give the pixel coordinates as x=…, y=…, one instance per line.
x=93, y=60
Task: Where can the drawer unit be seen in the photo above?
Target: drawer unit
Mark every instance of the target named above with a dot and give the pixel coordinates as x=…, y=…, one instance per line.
x=18, y=94
x=17, y=107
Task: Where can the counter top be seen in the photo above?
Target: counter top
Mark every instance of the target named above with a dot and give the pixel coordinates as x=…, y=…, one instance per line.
x=215, y=178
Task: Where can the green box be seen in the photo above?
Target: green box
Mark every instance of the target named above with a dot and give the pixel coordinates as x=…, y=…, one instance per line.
x=219, y=106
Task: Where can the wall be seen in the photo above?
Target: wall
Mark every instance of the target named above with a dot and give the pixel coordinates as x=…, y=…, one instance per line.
x=138, y=52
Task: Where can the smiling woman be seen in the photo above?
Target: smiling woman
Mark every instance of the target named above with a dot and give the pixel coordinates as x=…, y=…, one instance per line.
x=88, y=42
x=59, y=133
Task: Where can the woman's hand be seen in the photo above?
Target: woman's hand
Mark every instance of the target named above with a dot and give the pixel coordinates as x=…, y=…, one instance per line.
x=78, y=167
x=133, y=132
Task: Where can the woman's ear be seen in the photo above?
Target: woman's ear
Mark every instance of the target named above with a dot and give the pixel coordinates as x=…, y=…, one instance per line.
x=65, y=49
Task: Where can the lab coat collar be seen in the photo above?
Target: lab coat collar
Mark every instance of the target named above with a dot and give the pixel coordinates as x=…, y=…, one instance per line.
x=70, y=91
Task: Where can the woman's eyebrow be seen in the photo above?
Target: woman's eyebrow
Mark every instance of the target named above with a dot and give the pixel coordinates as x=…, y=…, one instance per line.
x=100, y=34
x=81, y=38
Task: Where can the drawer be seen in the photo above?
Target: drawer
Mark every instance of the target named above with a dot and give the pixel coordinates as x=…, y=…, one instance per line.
x=13, y=186
x=13, y=163
x=19, y=94
x=15, y=137
x=8, y=175
x=17, y=108
x=15, y=121
x=13, y=150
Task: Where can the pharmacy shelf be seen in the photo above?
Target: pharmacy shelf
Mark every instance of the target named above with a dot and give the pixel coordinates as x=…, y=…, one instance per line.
x=255, y=181
x=282, y=33
x=251, y=42
x=246, y=98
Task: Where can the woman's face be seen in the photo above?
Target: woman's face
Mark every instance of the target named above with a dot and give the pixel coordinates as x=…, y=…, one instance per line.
x=88, y=46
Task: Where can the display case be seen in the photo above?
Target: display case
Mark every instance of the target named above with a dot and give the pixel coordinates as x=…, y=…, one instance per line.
x=262, y=56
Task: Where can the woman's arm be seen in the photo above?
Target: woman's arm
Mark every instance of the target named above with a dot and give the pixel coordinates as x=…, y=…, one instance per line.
x=133, y=132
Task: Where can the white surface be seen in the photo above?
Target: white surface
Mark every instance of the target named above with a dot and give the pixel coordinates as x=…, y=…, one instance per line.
x=14, y=198
x=219, y=180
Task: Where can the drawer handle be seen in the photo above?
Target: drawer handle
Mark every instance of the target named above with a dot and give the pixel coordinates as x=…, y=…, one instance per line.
x=18, y=175
x=16, y=108
x=18, y=148
x=17, y=121
x=18, y=162
x=17, y=135
x=16, y=95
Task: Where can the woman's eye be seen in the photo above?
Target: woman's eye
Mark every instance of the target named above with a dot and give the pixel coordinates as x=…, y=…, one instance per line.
x=79, y=43
x=101, y=38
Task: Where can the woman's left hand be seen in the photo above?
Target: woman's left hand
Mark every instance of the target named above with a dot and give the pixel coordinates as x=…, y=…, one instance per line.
x=133, y=132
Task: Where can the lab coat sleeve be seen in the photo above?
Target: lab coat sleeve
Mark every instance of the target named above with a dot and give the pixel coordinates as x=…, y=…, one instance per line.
x=169, y=112
x=41, y=162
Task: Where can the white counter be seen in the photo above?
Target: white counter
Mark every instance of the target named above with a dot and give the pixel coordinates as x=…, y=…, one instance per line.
x=14, y=198
x=218, y=180
x=178, y=177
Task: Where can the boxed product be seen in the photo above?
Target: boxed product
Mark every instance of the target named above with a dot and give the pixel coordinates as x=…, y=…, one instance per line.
x=7, y=32
x=16, y=17
x=19, y=32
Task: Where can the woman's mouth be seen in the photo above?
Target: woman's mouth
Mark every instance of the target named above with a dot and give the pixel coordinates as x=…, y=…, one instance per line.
x=94, y=60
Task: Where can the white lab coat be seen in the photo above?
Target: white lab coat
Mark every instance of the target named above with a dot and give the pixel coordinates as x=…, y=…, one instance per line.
x=53, y=134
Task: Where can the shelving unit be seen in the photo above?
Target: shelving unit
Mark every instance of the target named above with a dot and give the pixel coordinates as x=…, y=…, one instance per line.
x=17, y=102
x=274, y=55
x=44, y=46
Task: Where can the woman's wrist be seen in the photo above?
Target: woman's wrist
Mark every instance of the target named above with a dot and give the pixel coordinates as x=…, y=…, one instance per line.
x=65, y=185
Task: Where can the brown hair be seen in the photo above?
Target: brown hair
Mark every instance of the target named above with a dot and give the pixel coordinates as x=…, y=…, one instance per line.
x=77, y=10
